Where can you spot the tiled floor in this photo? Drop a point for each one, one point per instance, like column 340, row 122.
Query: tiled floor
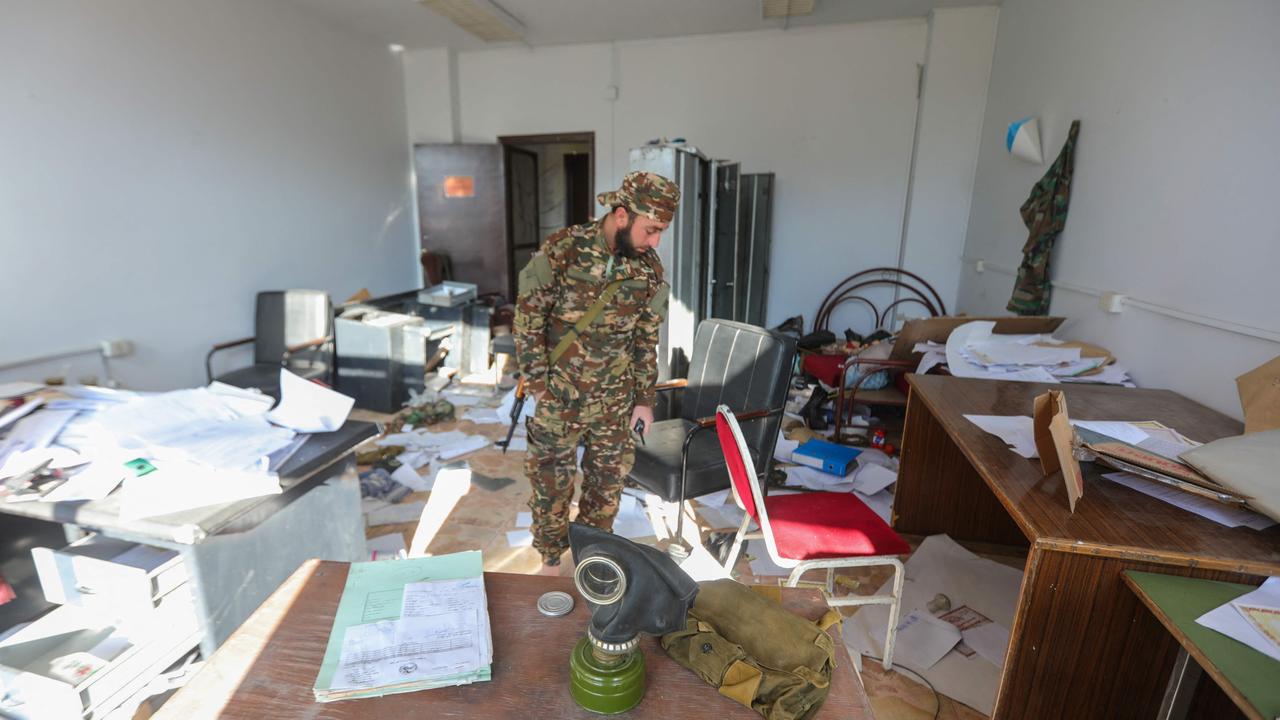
column 481, row 519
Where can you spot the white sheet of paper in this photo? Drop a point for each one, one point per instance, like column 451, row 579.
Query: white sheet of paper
column 1204, row 507
column 390, row 652
column 410, row 478
column 881, row 503
column 924, row 639
column 701, row 566
column 720, row 517
column 1227, row 620
column 1120, row 430
column 930, row 360
column 990, row 640
column 17, row 413
column 437, row 597
column 386, row 547
column 35, row 431
column 307, row 407
column 1265, row 601
column 782, row 449
column 1165, row 448
column 462, row 447
column 176, row 486
column 460, row 400
column 1017, row 431
column 995, row 352
column 519, row 538
column 814, row 479
column 18, row 389
column 484, row 416
column 524, row 519
column 632, row 520
column 94, row 482
column 395, row 514
column 871, row 479
column 720, row 497
column 518, row 444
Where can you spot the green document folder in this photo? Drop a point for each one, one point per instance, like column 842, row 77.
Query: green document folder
column 373, row 592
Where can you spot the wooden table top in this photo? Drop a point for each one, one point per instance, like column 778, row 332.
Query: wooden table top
column 268, row 667
column 1110, row 519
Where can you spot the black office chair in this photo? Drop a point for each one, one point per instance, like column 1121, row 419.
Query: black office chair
column 292, row 329
column 745, row 367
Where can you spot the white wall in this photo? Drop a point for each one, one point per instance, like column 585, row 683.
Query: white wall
column 961, row 43
column 164, row 161
column 1177, row 170
column 831, row 110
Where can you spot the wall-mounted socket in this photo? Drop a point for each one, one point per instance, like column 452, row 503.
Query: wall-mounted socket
column 1111, row 302
column 116, row 348
column 980, row 266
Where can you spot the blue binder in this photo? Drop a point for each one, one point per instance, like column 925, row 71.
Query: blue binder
column 826, row 456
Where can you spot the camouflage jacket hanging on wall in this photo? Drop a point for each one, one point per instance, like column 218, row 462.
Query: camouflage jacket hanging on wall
column 1045, row 214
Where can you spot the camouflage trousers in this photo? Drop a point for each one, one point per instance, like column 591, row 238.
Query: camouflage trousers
column 552, row 464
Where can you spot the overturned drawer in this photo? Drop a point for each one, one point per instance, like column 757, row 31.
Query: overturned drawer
column 73, row 663
column 108, row 575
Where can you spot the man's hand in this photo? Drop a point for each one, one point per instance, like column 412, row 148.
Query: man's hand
column 642, row 412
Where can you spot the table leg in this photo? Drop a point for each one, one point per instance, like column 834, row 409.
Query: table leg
column 1182, row 687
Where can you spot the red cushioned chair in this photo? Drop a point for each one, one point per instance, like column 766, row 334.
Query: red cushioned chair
column 812, row 531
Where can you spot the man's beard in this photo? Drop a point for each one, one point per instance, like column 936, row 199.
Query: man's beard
column 622, row 242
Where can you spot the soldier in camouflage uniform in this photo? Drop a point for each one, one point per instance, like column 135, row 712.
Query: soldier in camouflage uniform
column 604, row 381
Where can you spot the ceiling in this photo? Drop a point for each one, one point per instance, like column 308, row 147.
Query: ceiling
column 559, row 22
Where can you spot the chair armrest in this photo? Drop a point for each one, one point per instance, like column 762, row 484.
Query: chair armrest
column 308, row 345
column 741, row 417
column 208, row 359
column 676, row 384
column 878, row 364
column 233, row 343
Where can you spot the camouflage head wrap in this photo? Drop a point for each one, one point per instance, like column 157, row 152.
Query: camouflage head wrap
column 645, row 193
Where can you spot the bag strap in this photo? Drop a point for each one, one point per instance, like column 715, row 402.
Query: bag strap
column 585, row 321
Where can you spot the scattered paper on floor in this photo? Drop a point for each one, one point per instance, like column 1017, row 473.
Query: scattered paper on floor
column 941, row 566
column 395, row 514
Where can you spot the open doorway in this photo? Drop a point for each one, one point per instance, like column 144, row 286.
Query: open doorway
column 550, row 183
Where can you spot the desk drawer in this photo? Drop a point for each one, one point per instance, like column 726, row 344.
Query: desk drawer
column 72, row 663
column 111, row 576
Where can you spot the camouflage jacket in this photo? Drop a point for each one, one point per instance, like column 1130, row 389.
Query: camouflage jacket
column 613, row 364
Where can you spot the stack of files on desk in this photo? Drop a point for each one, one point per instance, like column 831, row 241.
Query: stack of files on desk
column 407, row 625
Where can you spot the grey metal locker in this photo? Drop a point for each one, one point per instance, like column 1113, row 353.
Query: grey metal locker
column 755, row 221
column 722, row 277
column 683, row 249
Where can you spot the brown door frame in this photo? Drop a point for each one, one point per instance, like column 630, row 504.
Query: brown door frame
column 587, row 136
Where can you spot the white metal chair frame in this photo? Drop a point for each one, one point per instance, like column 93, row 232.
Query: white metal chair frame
column 800, row 567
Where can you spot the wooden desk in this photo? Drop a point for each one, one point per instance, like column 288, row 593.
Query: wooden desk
column 1081, row 645
column 1247, row 677
column 268, row 667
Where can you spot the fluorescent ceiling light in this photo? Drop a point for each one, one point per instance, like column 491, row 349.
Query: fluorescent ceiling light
column 786, row 8
column 482, row 18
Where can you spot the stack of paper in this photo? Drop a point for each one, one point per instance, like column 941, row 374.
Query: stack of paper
column 973, row 351
column 408, row 625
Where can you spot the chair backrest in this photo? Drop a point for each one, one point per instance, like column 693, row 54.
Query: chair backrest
column 288, row 317
column 744, row 482
column 742, row 471
column 744, row 367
